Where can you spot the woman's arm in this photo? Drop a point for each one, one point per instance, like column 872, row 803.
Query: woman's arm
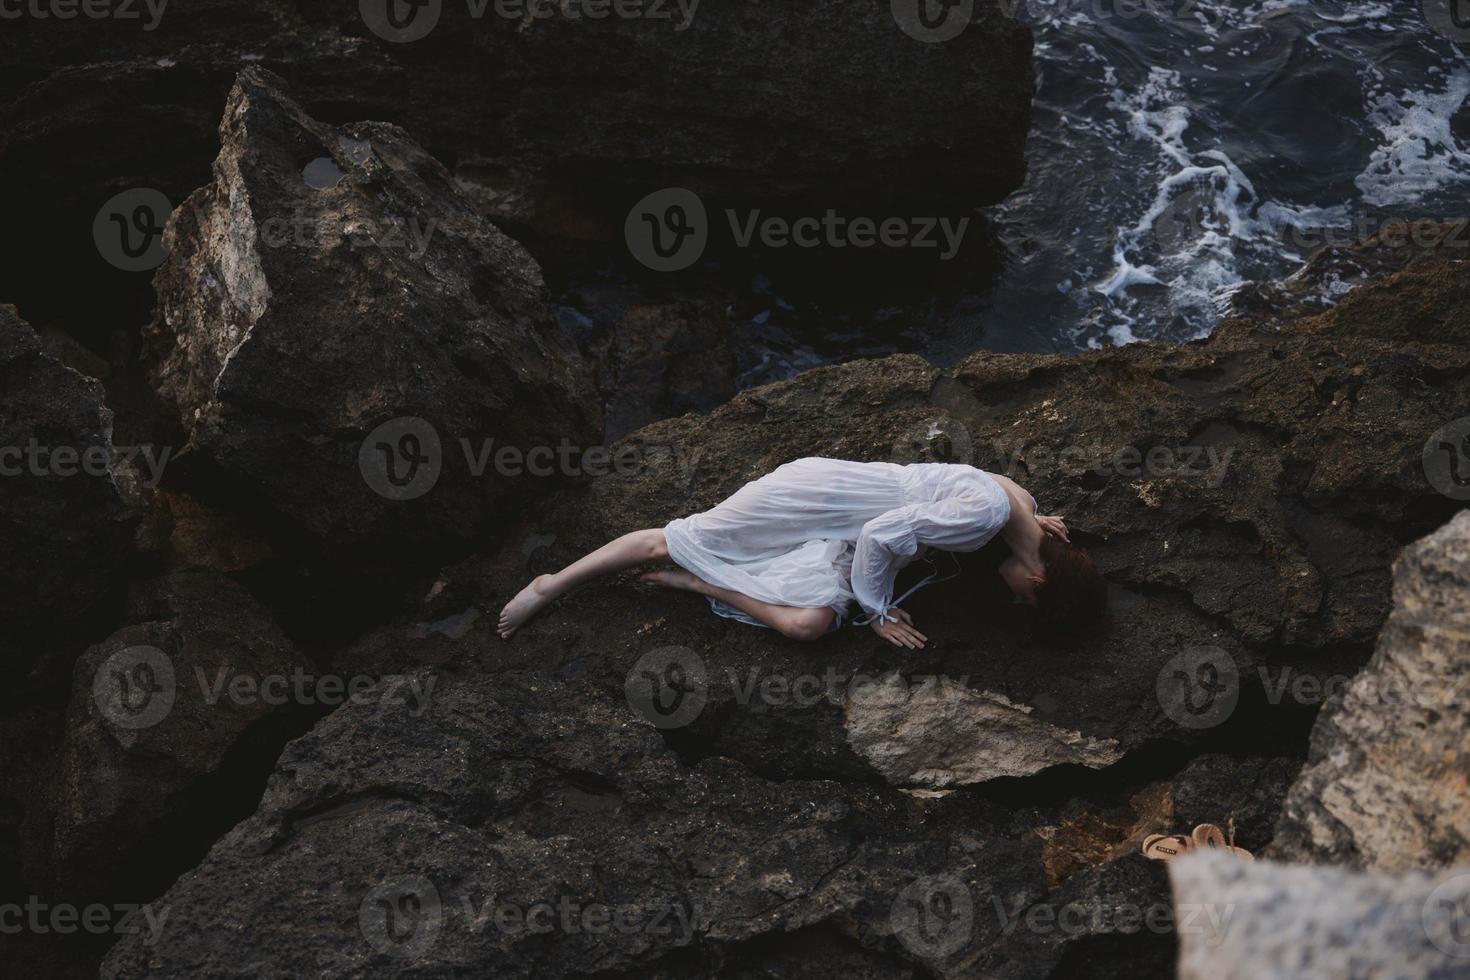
column 882, row 546
column 960, row 523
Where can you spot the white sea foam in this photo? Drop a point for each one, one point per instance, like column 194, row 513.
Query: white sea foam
column 1419, row 153
column 1156, row 223
column 1204, row 216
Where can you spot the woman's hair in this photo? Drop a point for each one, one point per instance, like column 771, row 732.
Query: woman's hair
column 1074, row 598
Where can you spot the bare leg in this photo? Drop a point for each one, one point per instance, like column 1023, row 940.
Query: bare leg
column 628, row 551
column 790, row 621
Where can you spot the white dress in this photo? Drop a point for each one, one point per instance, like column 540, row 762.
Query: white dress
column 825, row 532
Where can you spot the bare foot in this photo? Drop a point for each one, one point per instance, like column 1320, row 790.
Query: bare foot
column 527, row 603
column 674, row 578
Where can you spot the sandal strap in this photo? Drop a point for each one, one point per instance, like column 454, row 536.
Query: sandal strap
column 1165, row 847
column 1208, row 835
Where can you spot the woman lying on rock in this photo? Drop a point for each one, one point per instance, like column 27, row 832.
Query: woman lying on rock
column 795, row 548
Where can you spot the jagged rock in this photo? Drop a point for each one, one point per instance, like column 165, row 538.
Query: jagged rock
column 1385, row 786
column 1114, row 920
column 1219, row 789
column 1336, row 269
column 70, row 502
column 1240, row 920
column 332, row 281
column 1287, row 473
column 536, row 762
column 940, row 734
column 761, row 97
column 662, row 359
column 392, row 844
column 202, row 535
column 1265, row 536
column 200, row 677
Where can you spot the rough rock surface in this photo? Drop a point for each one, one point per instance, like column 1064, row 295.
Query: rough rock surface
column 69, row 502
column 823, row 100
column 332, row 280
column 1385, row 786
column 939, row 734
column 761, row 94
column 573, row 763
column 1245, row 496
column 660, row 359
column 155, row 712
column 389, row 845
column 1248, row 920
column 1221, row 790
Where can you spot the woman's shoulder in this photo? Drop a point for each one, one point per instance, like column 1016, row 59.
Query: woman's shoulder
column 993, row 485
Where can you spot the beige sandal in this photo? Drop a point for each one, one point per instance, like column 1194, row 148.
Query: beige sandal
column 1209, row 835
column 1239, row 852
column 1165, row 847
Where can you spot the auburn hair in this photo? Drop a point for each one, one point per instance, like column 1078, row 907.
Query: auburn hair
column 1073, row 601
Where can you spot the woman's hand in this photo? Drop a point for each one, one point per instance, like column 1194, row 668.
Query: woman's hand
column 900, row 633
column 1054, row 527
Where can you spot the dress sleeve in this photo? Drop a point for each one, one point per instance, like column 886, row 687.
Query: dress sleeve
column 960, row 523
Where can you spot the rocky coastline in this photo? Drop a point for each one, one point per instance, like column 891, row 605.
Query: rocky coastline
column 336, row 768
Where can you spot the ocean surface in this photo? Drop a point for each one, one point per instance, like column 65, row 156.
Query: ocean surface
column 1182, row 147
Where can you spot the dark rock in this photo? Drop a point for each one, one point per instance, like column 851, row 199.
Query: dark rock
column 664, row 359
column 170, row 731
column 761, row 97
column 1287, row 474
column 513, row 791
column 1384, row 787
column 205, row 536
column 1335, row 270
column 537, row 772
column 1111, row 921
column 332, row 281
column 1219, row 789
column 70, row 502
column 797, row 855
column 821, row 102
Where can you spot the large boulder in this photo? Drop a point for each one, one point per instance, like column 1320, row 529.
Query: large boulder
column 70, row 500
column 523, row 824
column 173, row 723
column 343, row 336
column 974, row 808
column 828, row 102
column 1385, row 786
column 531, row 827
column 1245, row 497
column 1240, row 921
column 761, row 95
